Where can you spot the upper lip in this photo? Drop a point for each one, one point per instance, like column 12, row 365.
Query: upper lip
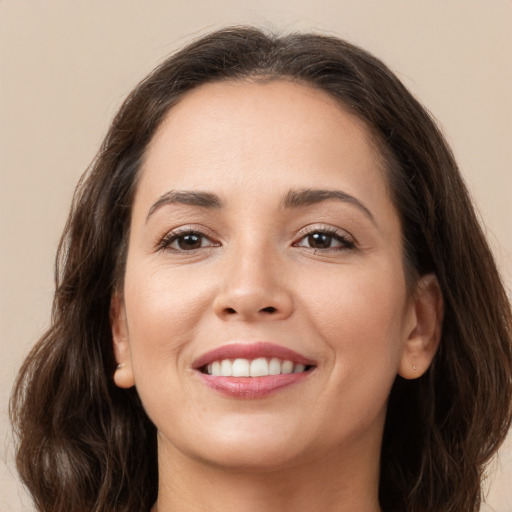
column 240, row 350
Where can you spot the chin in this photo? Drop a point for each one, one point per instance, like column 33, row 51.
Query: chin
column 259, row 458
column 255, row 449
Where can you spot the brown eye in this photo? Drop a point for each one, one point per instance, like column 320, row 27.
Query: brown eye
column 186, row 241
column 325, row 240
column 319, row 240
column 189, row 242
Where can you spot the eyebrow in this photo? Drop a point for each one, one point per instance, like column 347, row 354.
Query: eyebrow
column 201, row 199
column 293, row 199
column 309, row 196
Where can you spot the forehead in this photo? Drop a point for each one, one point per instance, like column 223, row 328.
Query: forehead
column 251, row 128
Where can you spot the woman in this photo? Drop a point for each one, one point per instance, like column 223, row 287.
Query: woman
column 272, row 293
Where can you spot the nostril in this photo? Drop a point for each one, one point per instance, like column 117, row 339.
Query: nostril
column 232, row 311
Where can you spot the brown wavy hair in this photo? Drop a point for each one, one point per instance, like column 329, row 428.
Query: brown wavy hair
column 86, row 445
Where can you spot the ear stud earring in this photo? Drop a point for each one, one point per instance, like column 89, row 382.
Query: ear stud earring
column 123, row 378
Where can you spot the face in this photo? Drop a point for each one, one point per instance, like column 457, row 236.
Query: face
column 263, row 241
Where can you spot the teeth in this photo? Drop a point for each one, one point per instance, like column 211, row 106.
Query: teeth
column 298, row 368
column 274, row 367
column 240, row 368
column 287, row 367
column 226, row 368
column 259, row 367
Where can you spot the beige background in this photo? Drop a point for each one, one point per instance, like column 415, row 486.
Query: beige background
column 65, row 66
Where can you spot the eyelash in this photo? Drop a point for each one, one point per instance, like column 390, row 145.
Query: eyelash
column 345, row 241
column 175, row 235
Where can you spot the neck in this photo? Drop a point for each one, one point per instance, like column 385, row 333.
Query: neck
column 187, row 485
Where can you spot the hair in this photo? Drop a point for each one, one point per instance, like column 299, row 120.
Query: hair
column 86, row 445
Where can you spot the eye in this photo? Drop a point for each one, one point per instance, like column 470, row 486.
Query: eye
column 325, row 239
column 188, row 240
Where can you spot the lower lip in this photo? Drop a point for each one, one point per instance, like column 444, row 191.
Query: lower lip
column 252, row 387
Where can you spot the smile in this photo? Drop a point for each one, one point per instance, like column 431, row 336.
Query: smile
column 256, row 370
column 259, row 367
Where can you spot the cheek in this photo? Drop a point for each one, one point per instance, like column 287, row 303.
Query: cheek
column 163, row 311
column 360, row 315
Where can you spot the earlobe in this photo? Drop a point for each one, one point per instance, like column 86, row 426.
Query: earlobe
column 123, row 375
column 424, row 336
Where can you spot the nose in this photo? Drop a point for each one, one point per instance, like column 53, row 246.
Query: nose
column 254, row 287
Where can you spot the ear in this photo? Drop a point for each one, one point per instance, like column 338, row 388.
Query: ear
column 123, row 375
column 424, row 332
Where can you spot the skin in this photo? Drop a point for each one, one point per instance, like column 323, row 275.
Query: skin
column 256, row 274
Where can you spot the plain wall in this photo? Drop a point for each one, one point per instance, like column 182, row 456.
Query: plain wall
column 65, row 67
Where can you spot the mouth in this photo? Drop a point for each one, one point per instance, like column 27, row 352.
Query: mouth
column 254, row 370
column 259, row 367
